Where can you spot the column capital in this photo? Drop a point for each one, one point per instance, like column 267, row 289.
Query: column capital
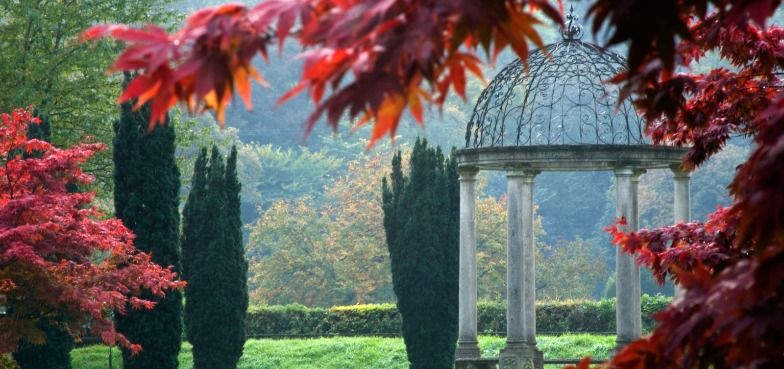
column 678, row 172
column 467, row 173
column 625, row 172
column 528, row 174
column 637, row 173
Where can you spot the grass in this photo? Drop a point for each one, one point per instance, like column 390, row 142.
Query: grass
column 352, row 352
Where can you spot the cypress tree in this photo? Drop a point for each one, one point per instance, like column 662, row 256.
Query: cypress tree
column 42, row 131
column 192, row 215
column 146, row 199
column 237, row 289
column 421, row 220
column 55, row 353
column 215, row 266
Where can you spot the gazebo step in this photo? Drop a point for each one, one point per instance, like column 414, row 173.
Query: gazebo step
column 478, row 363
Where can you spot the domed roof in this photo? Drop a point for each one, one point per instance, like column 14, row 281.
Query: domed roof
column 562, row 98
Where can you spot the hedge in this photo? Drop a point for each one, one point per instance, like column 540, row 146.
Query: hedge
column 589, row 316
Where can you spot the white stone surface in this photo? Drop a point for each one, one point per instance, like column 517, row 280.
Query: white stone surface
column 627, row 280
column 529, row 282
column 467, row 345
column 681, row 202
column 515, row 308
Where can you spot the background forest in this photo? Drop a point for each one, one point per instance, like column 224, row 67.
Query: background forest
column 312, row 206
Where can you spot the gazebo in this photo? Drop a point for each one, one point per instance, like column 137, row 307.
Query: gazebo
column 558, row 114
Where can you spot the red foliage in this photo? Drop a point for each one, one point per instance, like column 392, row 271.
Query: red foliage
column 684, row 246
column 58, row 257
column 373, row 55
column 732, row 266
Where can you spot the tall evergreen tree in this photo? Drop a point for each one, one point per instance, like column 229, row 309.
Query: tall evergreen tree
column 421, row 220
column 237, row 289
column 192, row 216
column 146, row 199
column 55, row 353
column 215, row 266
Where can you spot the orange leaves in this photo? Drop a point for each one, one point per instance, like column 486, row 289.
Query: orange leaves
column 201, row 65
column 243, row 85
column 387, row 117
column 364, row 58
column 456, row 65
column 415, row 104
column 516, row 30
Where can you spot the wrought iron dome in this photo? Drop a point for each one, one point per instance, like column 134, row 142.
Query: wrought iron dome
column 560, row 99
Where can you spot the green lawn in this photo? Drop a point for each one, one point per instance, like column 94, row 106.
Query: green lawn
column 354, row 352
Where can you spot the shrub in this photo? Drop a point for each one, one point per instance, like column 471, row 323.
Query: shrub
column 375, row 319
column 554, row 317
column 287, row 320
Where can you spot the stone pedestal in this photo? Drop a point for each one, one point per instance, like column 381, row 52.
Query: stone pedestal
column 518, row 355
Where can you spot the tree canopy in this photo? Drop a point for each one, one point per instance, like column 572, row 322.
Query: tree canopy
column 44, row 65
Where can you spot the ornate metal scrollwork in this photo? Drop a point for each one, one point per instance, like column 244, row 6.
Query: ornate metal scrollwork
column 560, row 99
column 572, row 30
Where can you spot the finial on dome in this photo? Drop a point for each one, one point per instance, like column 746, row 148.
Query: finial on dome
column 572, row 30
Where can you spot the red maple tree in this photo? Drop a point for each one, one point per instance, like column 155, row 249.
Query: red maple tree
column 375, row 56
column 59, row 256
column 731, row 266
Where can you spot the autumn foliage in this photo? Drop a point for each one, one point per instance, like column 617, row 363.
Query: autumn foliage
column 59, row 255
column 731, row 266
column 377, row 58
column 373, row 57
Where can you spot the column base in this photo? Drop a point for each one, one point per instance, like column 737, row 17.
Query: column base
column 520, row 355
column 620, row 344
column 467, row 350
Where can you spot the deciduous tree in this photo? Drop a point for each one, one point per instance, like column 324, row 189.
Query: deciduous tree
column 563, row 270
column 731, row 266
column 60, row 256
column 357, row 230
column 287, row 247
column 44, row 65
column 335, row 246
column 55, row 353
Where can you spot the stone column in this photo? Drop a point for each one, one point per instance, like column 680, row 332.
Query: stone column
column 467, row 345
column 529, row 282
column 634, row 224
column 681, row 201
column 520, row 351
column 515, row 239
column 627, row 276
